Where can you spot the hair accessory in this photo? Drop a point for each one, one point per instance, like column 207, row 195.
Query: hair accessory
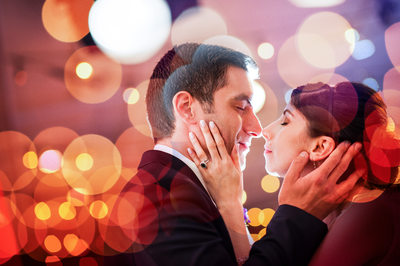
column 204, row 163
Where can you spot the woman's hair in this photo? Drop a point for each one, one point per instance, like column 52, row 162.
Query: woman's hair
column 353, row 112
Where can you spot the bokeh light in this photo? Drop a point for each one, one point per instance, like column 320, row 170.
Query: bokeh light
column 136, row 111
column 197, row 24
column 265, row 50
column 230, row 42
column 106, row 167
column 74, row 245
column 131, row 144
column 78, row 197
column 98, row 209
column 392, row 42
column 52, row 243
column 352, row 35
column 269, row 109
column 259, row 96
column 321, row 40
column 265, row 216
column 50, row 161
column 67, row 211
column 244, row 197
column 42, row 211
column 84, row 161
column 103, row 82
column 130, row 31
column 254, row 214
column 270, row 184
column 131, row 95
column 84, row 70
column 363, row 49
column 14, row 173
column 372, row 83
column 391, row 94
column 66, row 20
column 316, row 3
column 293, row 68
column 30, row 160
column 8, row 244
column 262, row 233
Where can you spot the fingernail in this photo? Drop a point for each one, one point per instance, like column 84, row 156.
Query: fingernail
column 303, row 154
column 191, row 136
column 357, row 146
column 202, row 123
column 189, row 150
column 212, row 125
column 346, row 143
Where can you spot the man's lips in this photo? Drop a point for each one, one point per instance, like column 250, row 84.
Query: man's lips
column 245, row 145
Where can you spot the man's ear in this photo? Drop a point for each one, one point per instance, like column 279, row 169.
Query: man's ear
column 321, row 148
column 183, row 106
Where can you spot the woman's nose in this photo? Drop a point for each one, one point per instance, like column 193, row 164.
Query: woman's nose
column 266, row 132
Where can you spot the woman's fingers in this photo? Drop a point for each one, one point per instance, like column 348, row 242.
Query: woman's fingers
column 219, row 141
column 200, row 154
column 211, row 146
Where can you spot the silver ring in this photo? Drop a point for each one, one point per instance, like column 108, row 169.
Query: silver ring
column 204, row 163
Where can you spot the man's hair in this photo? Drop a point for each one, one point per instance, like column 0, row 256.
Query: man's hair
column 199, row 69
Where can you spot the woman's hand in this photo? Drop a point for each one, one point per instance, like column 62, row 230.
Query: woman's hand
column 224, row 180
column 222, row 174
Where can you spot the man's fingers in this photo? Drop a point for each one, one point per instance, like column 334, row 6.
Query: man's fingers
column 333, row 160
column 344, row 162
column 347, row 186
column 211, row 146
column 296, row 167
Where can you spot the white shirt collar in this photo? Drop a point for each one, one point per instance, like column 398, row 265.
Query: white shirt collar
column 186, row 160
column 193, row 167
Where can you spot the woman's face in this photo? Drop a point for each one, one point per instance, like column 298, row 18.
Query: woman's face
column 285, row 138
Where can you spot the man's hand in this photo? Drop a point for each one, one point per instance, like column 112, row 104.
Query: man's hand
column 317, row 193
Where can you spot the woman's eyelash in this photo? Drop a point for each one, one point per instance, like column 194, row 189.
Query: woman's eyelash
column 240, row 108
column 284, row 123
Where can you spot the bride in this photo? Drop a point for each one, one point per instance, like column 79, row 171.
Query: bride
column 364, row 230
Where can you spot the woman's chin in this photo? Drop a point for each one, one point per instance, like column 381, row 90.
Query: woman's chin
column 272, row 171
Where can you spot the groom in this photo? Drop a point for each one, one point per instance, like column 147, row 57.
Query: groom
column 174, row 220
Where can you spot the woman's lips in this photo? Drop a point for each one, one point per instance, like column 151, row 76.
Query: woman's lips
column 267, row 150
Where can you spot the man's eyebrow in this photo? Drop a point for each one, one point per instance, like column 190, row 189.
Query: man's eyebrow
column 243, row 97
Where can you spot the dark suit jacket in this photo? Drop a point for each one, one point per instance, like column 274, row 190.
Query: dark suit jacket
column 176, row 223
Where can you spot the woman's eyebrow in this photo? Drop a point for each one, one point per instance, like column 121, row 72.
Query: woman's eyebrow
column 287, row 111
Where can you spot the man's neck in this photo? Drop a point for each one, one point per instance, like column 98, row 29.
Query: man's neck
column 180, row 146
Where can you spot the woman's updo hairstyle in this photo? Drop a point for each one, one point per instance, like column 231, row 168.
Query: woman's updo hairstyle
column 353, row 112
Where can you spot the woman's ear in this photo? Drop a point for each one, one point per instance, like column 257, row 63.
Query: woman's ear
column 183, row 107
column 321, row 148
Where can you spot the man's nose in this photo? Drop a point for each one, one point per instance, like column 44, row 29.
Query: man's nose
column 253, row 126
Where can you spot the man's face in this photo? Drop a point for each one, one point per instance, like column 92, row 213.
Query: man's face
column 233, row 113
